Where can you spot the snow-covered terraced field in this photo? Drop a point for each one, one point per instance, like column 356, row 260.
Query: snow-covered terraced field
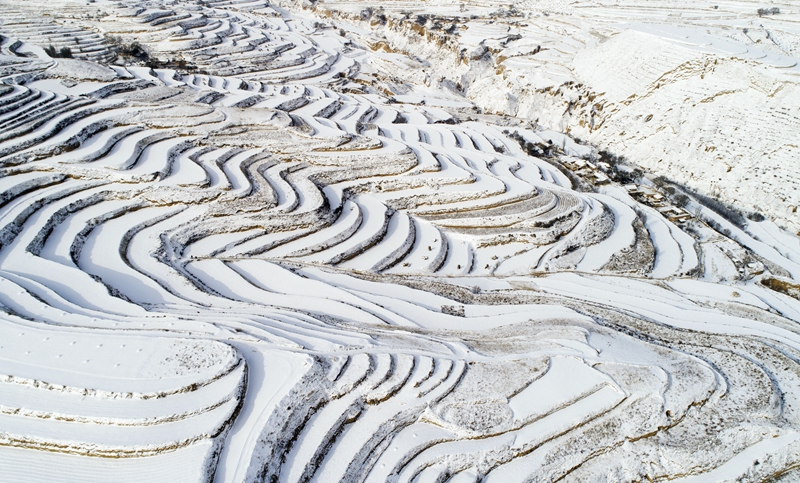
column 704, row 92
column 275, row 251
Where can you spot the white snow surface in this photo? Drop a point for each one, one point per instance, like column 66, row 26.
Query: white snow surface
column 332, row 241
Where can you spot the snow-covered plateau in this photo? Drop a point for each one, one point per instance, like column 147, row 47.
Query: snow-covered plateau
column 328, row 241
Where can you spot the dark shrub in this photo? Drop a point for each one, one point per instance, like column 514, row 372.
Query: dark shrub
column 63, row 53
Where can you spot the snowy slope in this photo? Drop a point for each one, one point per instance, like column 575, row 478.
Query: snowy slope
column 284, row 250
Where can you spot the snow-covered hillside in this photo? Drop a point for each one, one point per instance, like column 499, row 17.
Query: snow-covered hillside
column 703, row 92
column 244, row 241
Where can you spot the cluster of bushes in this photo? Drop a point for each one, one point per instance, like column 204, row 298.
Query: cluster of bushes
column 371, row 15
column 618, row 168
column 62, row 53
column 136, row 53
column 676, row 197
column 677, row 194
column 421, row 20
column 717, row 227
column 728, row 212
column 133, row 51
column 446, row 24
column 504, row 13
column 531, row 149
column 768, row 11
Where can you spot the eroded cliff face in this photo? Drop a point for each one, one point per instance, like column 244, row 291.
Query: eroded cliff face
column 709, row 100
